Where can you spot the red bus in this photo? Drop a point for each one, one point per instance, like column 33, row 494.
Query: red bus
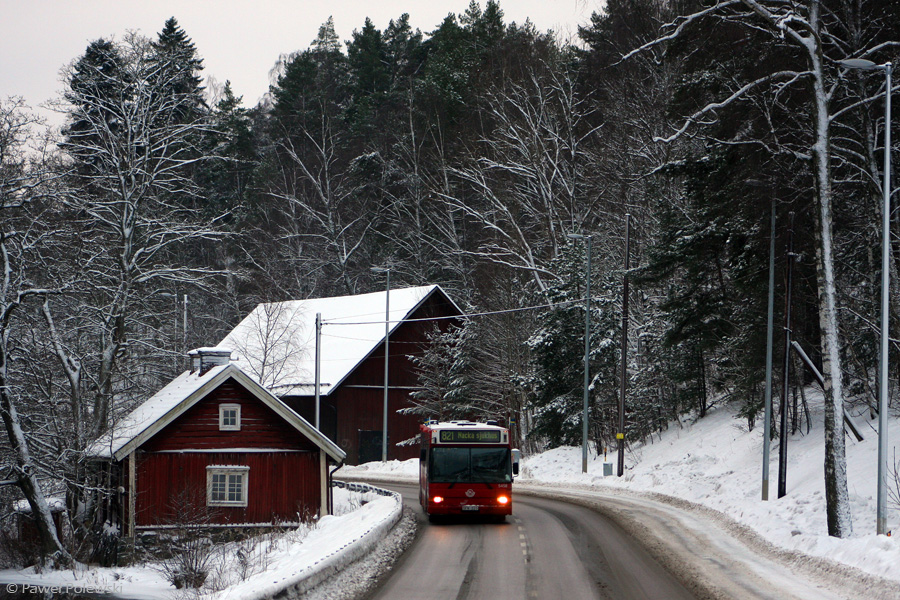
column 466, row 468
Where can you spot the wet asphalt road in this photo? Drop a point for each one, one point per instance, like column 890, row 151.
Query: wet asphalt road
column 547, row 550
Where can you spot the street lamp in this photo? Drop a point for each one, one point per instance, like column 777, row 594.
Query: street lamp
column 881, row 516
column 387, row 331
column 587, row 350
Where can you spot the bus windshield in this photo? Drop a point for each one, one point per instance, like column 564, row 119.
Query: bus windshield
column 475, row 465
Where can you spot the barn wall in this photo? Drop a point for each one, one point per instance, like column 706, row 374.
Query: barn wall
column 172, row 487
column 358, row 404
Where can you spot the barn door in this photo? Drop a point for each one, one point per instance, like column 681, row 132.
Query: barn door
column 369, row 445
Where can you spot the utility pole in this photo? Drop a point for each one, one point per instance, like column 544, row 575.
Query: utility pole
column 620, row 435
column 881, row 524
column 769, row 335
column 783, row 439
column 184, row 329
column 318, row 367
column 587, row 349
column 387, row 334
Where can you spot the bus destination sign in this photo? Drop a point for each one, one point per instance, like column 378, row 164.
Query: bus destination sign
column 472, row 436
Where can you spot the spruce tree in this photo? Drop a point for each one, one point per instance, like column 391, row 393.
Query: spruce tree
column 176, row 71
column 98, row 85
column 557, row 351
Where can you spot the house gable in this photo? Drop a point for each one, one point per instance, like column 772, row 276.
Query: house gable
column 352, row 413
column 198, row 427
column 180, row 396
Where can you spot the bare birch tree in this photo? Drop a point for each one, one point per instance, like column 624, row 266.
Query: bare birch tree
column 133, row 148
column 20, row 181
column 325, row 206
column 270, row 341
column 527, row 180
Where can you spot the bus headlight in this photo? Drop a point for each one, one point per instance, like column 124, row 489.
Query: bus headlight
column 503, row 500
column 437, row 499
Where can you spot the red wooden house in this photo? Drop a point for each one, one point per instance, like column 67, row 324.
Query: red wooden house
column 277, row 344
column 213, row 442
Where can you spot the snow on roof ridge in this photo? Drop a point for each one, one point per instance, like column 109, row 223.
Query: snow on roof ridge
column 151, row 410
column 276, row 341
column 215, row 349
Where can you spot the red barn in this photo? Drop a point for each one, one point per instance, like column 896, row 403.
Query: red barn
column 215, row 443
column 277, row 344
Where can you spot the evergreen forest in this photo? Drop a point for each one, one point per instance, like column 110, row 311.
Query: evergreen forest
column 480, row 155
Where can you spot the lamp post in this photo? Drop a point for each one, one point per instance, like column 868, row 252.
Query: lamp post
column 387, row 331
column 881, row 517
column 766, row 187
column 587, row 350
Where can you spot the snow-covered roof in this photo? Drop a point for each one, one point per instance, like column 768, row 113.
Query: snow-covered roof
column 179, row 395
column 55, row 504
column 276, row 342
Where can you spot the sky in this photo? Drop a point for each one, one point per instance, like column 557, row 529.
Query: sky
column 239, row 40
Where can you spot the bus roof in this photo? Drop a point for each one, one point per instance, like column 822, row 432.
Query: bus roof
column 465, row 432
column 438, row 425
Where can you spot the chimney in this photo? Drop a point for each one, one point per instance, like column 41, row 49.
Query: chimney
column 204, row 359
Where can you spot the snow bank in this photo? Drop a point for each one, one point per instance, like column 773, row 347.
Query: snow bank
column 717, row 463
column 294, row 563
column 336, row 542
column 384, row 471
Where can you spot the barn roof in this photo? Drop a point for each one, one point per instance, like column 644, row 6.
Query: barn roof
column 276, row 341
column 178, row 396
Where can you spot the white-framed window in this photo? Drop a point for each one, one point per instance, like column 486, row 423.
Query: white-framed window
column 226, row 485
column 229, row 417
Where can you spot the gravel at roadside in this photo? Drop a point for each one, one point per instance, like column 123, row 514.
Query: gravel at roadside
column 360, row 578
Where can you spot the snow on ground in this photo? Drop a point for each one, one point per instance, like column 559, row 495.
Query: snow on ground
column 717, row 463
column 714, row 462
column 243, row 570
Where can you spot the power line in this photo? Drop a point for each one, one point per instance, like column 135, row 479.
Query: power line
column 466, row 316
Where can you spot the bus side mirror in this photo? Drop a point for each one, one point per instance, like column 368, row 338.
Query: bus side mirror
column 516, row 455
column 422, row 455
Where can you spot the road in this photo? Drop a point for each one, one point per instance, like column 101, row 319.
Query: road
column 579, row 545
column 546, row 550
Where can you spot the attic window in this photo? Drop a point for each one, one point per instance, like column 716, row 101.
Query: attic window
column 229, row 417
column 226, row 485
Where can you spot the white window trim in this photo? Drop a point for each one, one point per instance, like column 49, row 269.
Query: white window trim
column 237, row 424
column 243, row 471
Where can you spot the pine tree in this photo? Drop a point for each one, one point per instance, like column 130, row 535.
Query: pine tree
column 403, row 49
column 446, row 391
column 370, row 78
column 227, row 182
